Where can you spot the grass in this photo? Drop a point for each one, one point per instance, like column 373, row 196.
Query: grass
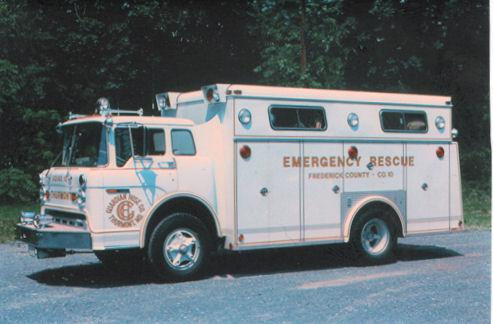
column 476, row 196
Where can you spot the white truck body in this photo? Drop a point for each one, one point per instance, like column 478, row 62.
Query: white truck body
column 297, row 185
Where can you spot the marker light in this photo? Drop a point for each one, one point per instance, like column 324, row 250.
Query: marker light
column 455, row 133
column 244, row 116
column 440, row 122
column 440, row 152
column 245, row 152
column 353, row 120
column 352, row 152
column 211, row 95
column 82, row 181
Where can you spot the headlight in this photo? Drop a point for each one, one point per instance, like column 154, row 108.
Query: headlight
column 440, row 122
column 244, row 116
column 81, row 198
column 83, row 181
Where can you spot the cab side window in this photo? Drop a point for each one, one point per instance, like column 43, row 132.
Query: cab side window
column 155, row 141
column 145, row 141
column 403, row 121
column 182, row 142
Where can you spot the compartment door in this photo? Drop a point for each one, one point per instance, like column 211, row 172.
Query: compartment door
column 427, row 189
column 323, row 185
column 268, row 194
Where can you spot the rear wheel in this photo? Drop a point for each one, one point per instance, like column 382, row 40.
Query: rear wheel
column 179, row 247
column 373, row 237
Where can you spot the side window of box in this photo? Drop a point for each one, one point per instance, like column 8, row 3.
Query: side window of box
column 182, row 142
column 297, row 118
column 403, row 121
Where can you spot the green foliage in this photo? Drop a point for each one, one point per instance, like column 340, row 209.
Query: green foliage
column 16, row 186
column 476, row 165
column 477, row 204
column 9, row 216
column 303, row 42
column 61, row 57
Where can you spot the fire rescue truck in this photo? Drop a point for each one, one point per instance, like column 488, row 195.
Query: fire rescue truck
column 243, row 167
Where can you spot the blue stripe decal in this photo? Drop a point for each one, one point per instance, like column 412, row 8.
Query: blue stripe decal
column 344, row 101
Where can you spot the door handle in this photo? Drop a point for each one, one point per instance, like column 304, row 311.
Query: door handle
column 264, row 191
column 167, row 164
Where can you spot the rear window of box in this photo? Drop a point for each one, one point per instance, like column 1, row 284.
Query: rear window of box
column 403, row 121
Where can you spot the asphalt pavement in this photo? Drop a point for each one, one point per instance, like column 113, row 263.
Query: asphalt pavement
column 438, row 278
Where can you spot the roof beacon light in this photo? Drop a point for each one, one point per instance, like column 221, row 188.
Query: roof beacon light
column 103, row 105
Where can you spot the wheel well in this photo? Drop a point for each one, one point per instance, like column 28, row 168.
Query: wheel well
column 386, row 209
column 184, row 205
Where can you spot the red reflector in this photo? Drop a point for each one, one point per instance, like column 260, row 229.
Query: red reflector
column 440, row 152
column 352, row 152
column 245, row 152
column 47, row 195
column 210, row 95
column 112, row 191
column 73, row 196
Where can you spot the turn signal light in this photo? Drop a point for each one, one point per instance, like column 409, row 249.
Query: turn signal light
column 352, row 152
column 210, row 95
column 440, row 152
column 245, row 152
column 73, row 196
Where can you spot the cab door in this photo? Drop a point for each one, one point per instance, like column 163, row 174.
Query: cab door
column 268, row 193
column 139, row 178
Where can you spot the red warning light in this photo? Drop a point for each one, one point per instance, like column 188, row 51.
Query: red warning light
column 353, row 152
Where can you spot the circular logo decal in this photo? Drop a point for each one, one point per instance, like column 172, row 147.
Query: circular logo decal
column 125, row 210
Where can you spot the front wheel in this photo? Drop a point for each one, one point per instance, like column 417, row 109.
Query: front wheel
column 373, row 238
column 179, row 247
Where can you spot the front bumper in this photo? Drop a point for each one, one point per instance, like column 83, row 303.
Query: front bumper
column 55, row 236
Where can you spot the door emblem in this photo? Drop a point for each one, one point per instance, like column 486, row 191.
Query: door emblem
column 125, row 210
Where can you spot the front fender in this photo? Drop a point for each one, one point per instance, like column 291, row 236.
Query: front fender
column 167, row 198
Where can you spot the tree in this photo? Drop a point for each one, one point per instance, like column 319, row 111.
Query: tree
column 302, row 42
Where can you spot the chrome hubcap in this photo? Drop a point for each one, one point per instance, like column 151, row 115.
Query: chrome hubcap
column 375, row 236
column 181, row 249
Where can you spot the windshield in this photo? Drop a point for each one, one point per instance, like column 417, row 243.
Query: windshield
column 84, row 145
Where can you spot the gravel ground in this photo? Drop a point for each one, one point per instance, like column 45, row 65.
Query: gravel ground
column 439, row 278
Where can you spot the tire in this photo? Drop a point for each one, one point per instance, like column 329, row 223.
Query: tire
column 179, row 248
column 373, row 238
column 122, row 260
